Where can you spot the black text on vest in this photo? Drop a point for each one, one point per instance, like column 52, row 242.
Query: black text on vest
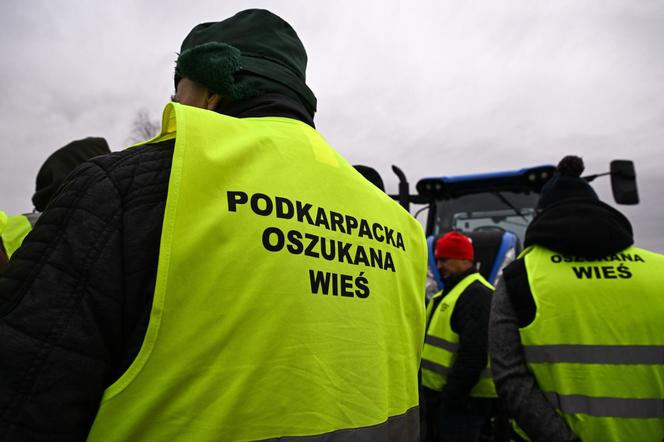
column 602, row 272
column 328, row 283
column 280, row 207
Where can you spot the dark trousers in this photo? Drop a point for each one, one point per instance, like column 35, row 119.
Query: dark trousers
column 450, row 422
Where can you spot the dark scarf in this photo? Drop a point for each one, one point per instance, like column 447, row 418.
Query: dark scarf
column 268, row 105
column 581, row 227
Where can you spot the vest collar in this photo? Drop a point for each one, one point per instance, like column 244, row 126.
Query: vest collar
column 450, row 283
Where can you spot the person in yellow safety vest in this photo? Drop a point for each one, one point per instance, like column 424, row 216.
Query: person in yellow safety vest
column 232, row 279
column 458, row 393
column 50, row 177
column 576, row 341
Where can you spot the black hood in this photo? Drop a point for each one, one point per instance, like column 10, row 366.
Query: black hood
column 581, row 227
column 61, row 163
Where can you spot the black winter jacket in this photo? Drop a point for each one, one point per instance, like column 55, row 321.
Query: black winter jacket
column 75, row 299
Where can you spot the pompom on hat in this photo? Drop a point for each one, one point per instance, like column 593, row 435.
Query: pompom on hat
column 566, row 183
column 454, row 245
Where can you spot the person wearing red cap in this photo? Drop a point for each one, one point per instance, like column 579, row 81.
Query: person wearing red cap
column 458, row 392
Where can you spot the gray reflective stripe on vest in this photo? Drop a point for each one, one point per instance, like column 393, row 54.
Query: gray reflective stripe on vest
column 441, row 343
column 595, row 354
column 608, row 406
column 396, row 428
column 445, row 371
column 32, row 217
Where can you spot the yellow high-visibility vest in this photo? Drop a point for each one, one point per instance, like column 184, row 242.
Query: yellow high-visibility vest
column 3, row 223
column 289, row 298
column 442, row 343
column 596, row 346
column 14, row 229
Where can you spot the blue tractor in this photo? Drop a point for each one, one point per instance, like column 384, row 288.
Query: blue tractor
column 493, row 209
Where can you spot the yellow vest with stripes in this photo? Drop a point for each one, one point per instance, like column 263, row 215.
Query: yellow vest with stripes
column 596, row 346
column 442, row 343
column 289, row 298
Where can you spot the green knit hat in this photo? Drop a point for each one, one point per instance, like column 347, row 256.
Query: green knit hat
column 252, row 53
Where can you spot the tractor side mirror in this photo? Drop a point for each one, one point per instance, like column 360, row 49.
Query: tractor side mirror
column 623, row 182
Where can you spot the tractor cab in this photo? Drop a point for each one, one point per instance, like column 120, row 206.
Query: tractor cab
column 493, row 209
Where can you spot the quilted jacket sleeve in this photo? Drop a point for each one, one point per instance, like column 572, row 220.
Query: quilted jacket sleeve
column 57, row 296
column 75, row 298
column 516, row 385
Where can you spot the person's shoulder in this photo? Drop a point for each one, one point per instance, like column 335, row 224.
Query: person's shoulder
column 145, row 155
column 137, row 167
column 516, row 270
column 478, row 289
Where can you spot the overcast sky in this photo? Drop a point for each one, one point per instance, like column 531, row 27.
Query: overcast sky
column 441, row 88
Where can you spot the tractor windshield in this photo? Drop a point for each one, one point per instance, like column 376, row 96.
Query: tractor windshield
column 508, row 211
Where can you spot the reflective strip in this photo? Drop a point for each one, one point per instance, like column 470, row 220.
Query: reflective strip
column 396, row 428
column 445, row 371
column 608, row 406
column 441, row 343
column 596, row 354
column 436, row 368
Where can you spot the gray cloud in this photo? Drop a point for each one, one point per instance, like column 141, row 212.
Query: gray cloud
column 437, row 87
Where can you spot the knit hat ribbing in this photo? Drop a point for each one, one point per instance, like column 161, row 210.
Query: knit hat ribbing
column 454, row 245
column 253, row 43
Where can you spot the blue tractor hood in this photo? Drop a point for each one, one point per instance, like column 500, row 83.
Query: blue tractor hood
column 529, row 179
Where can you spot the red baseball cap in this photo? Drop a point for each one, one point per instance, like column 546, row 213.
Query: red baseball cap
column 454, row 245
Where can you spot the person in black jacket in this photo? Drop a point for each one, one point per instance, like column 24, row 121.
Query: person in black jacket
column 571, row 221
column 76, row 297
column 453, row 414
column 52, row 174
